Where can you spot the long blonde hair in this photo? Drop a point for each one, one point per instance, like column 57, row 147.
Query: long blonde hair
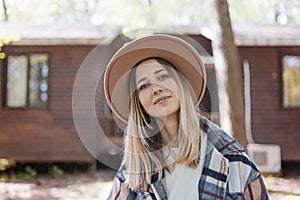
column 143, row 142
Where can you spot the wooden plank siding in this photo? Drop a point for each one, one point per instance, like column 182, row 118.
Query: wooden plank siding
column 46, row 135
column 50, row 135
column 271, row 122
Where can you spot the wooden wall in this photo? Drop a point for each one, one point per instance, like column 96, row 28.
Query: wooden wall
column 271, row 122
column 50, row 135
column 46, row 135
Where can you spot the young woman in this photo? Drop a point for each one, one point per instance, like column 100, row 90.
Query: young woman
column 154, row 84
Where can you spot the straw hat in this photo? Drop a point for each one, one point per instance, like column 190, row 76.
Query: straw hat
column 173, row 49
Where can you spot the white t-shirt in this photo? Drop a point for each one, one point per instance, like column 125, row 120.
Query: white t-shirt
column 182, row 182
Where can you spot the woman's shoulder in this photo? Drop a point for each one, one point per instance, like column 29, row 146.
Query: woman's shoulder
column 121, row 173
column 222, row 141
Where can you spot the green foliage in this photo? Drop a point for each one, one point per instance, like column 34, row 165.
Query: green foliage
column 55, row 171
column 4, row 41
column 12, row 171
column 254, row 11
column 142, row 13
column 4, row 164
column 28, row 174
column 4, row 177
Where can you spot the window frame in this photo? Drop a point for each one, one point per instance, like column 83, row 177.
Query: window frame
column 281, row 56
column 5, row 79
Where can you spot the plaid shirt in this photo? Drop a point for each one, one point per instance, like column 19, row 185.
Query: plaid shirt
column 228, row 173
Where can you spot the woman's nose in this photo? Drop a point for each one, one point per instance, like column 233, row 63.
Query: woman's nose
column 157, row 89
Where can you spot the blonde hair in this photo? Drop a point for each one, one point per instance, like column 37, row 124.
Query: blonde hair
column 143, row 142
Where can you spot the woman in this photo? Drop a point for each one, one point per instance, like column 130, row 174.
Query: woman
column 155, row 84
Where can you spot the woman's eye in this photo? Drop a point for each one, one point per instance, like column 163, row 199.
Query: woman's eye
column 163, row 77
column 144, row 86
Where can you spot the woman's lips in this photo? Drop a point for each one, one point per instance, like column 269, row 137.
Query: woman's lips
column 161, row 100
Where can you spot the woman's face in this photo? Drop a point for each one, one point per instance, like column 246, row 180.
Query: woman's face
column 157, row 90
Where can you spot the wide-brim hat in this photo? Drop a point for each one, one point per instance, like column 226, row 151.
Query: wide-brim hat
column 180, row 53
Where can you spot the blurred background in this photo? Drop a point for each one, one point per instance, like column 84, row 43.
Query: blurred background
column 59, row 138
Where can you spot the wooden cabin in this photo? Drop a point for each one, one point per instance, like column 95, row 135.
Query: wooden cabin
column 53, row 107
column 272, row 53
column 37, row 78
column 40, row 125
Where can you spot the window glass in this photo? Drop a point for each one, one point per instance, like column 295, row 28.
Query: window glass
column 27, row 81
column 291, row 81
column 38, row 81
column 16, row 81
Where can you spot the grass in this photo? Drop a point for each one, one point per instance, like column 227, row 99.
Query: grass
column 12, row 171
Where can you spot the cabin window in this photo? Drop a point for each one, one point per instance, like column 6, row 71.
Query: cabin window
column 27, row 81
column 291, row 81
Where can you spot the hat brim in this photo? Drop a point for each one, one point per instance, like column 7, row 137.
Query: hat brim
column 173, row 49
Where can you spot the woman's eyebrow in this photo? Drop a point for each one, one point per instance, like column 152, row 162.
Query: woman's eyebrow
column 160, row 70
column 142, row 79
column 156, row 72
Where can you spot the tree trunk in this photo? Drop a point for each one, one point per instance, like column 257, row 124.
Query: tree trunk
column 229, row 74
column 5, row 10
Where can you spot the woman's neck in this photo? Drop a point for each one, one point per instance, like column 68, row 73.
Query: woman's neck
column 169, row 129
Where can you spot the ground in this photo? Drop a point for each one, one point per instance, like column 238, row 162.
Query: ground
column 97, row 184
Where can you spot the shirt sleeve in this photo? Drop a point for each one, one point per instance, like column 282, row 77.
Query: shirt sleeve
column 244, row 179
column 256, row 190
column 121, row 191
